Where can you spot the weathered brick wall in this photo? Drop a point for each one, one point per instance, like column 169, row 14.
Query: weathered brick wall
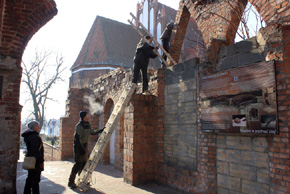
column 185, row 157
column 180, row 116
column 271, row 44
column 242, row 164
column 51, row 153
column 19, row 22
column 74, row 104
column 139, row 140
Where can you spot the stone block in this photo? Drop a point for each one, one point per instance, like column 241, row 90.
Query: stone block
column 237, row 142
column 172, row 89
column 186, row 162
column 222, row 191
column 260, row 144
column 243, row 171
column 263, row 175
column 188, row 96
column 251, row 57
column 257, row 159
column 178, row 68
column 230, row 183
column 245, row 45
column 254, row 187
column 189, row 74
column 228, row 63
column 223, row 168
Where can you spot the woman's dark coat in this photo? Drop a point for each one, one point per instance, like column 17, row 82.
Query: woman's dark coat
column 34, row 147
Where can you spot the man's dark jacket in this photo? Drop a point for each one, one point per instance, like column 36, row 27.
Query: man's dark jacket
column 143, row 53
column 34, row 147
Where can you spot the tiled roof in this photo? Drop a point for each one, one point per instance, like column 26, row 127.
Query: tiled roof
column 108, row 42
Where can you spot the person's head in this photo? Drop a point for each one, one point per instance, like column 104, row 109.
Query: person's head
column 84, row 116
column 148, row 38
column 34, row 125
column 170, row 26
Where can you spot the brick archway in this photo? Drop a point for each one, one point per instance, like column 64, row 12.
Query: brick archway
column 19, row 21
column 219, row 22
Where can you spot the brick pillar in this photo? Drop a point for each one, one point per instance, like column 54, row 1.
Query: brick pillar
column 119, row 141
column 159, row 135
column 182, row 19
column 67, row 128
column 10, row 124
column 139, row 140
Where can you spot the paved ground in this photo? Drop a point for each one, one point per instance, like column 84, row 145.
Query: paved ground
column 107, row 180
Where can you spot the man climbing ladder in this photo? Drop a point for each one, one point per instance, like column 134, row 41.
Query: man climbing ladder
column 136, row 27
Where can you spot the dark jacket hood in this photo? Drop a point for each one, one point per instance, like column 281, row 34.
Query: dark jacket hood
column 28, row 132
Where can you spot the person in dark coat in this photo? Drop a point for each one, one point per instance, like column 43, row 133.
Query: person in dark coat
column 34, row 148
column 141, row 60
column 82, row 133
column 165, row 38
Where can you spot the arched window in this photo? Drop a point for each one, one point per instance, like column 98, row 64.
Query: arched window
column 151, row 21
column 141, row 17
column 158, row 33
column 145, row 14
column 250, row 23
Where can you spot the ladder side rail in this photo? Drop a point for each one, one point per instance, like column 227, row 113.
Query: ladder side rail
column 160, row 46
column 136, row 28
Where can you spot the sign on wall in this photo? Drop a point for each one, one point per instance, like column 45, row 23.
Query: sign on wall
column 240, row 100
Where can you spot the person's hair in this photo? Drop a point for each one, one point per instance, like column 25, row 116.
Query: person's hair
column 32, row 124
column 83, row 114
column 148, row 37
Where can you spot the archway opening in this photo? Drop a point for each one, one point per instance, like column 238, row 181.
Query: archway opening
column 250, row 23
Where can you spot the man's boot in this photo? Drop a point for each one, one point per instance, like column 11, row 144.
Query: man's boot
column 71, row 180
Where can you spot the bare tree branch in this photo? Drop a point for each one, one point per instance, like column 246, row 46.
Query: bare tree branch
column 39, row 81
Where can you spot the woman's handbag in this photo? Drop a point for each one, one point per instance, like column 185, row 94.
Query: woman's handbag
column 29, row 162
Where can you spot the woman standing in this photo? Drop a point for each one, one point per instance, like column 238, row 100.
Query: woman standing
column 34, row 148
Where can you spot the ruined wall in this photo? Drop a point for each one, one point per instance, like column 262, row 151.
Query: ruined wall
column 271, row 44
column 185, row 156
column 74, row 104
column 19, row 21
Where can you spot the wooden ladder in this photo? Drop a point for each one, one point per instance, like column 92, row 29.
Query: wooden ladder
column 136, row 27
column 103, row 140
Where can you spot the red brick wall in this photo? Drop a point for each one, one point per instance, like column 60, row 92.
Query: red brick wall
column 278, row 40
column 75, row 104
column 20, row 20
column 139, row 140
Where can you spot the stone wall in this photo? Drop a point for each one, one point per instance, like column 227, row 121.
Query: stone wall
column 185, row 157
column 242, row 164
column 180, row 115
